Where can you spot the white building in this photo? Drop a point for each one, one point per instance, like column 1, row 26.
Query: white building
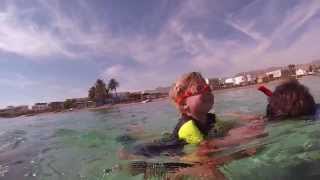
column 300, row 72
column 239, row 79
column 249, row 77
column 207, row 80
column 275, row 74
column 40, row 107
column 229, row 81
column 22, row 109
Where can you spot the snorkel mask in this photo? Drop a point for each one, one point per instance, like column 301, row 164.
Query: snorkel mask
column 200, row 90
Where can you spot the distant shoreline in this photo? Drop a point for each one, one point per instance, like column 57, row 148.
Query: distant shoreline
column 125, row 104
column 133, row 102
column 251, row 85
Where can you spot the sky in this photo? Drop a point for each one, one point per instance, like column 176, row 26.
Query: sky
column 56, row 49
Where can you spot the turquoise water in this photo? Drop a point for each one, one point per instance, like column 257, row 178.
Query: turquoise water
column 80, row 145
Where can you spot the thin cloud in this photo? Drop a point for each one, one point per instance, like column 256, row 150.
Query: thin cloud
column 292, row 22
column 192, row 38
column 71, row 40
column 26, row 39
column 211, row 55
column 244, row 55
column 17, row 81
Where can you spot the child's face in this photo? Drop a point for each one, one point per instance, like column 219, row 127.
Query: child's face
column 199, row 104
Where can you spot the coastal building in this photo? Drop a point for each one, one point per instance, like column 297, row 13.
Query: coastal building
column 154, row 94
column 121, row 96
column 21, row 109
column 259, row 79
column 239, row 80
column 12, row 111
column 215, row 83
column 249, row 77
column 10, row 107
column 80, row 103
column 300, row 72
column 163, row 90
column 229, row 81
column 7, row 112
column 40, row 107
column 16, row 109
column 109, row 100
column 56, row 106
column 149, row 91
column 275, row 74
column 207, row 80
column 262, row 78
column 91, row 104
column 135, row 96
column 285, row 72
column 158, row 90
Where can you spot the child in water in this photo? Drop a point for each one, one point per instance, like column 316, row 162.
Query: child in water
column 193, row 98
column 290, row 100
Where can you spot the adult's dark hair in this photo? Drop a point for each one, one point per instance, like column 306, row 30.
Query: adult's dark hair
column 290, row 100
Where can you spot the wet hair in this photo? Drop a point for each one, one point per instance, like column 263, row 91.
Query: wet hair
column 290, row 100
column 187, row 82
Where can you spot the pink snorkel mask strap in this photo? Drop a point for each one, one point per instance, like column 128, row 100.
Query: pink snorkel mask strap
column 265, row 90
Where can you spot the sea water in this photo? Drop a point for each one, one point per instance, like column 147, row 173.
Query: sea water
column 83, row 144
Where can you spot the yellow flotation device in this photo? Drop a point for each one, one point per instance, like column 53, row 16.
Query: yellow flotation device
column 190, row 133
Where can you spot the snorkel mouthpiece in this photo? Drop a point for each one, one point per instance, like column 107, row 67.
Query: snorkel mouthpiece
column 265, row 90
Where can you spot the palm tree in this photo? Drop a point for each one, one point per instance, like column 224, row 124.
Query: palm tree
column 113, row 85
column 214, row 83
column 100, row 92
column 91, row 93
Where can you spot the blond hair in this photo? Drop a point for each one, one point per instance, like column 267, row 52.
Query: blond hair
column 187, row 82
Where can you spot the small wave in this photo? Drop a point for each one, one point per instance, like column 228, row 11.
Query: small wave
column 64, row 132
column 11, row 139
column 3, row 170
